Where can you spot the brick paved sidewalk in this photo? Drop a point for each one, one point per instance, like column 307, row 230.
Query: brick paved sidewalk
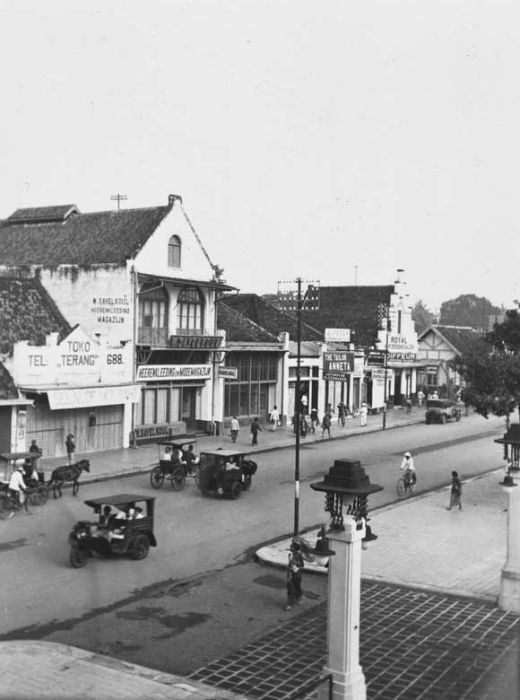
column 415, row 645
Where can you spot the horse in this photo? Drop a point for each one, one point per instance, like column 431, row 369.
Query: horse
column 68, row 473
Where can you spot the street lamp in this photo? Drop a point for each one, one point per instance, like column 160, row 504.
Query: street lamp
column 346, row 488
column 509, row 596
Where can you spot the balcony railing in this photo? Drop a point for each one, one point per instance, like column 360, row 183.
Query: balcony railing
column 158, row 337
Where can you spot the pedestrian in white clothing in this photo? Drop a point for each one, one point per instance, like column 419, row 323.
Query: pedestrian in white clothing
column 274, row 418
column 363, row 413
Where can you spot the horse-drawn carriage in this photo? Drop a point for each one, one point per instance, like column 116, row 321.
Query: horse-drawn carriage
column 36, row 493
column 129, row 530
column 177, row 461
column 225, row 473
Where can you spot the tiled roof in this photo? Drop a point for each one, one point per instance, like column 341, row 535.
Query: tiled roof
column 356, row 308
column 7, row 386
column 241, row 329
column 269, row 317
column 463, row 338
column 108, row 237
column 27, row 312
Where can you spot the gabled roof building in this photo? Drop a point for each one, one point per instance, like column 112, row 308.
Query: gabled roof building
column 137, row 289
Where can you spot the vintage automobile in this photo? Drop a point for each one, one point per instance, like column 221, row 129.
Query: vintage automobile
column 171, row 469
column 129, row 530
column 225, row 473
column 441, row 410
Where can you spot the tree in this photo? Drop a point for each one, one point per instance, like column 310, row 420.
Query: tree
column 422, row 316
column 468, row 310
column 492, row 369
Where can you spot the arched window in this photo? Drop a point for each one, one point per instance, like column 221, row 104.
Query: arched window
column 174, row 251
column 189, row 310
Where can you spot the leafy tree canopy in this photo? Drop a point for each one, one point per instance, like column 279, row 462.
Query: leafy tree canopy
column 492, row 369
column 468, row 310
column 422, row 316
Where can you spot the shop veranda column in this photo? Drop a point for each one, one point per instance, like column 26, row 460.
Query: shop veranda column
column 509, row 597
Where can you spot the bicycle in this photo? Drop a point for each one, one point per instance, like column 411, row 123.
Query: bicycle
column 9, row 501
column 406, row 485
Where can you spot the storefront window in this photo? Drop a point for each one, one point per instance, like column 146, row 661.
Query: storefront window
column 189, row 310
column 248, row 395
column 162, row 406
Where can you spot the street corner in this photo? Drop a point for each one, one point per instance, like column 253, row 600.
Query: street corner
column 277, row 553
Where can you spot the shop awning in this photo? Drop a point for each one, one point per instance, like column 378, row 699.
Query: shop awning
column 179, row 281
column 89, row 396
column 16, row 402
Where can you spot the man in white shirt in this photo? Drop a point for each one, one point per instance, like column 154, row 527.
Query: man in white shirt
column 409, row 468
column 17, row 484
column 274, row 417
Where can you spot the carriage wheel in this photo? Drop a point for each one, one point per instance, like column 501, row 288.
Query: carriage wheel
column 75, row 487
column 178, row 479
column 77, row 557
column 247, row 482
column 401, row 488
column 140, row 548
column 44, row 494
column 157, row 477
column 235, row 490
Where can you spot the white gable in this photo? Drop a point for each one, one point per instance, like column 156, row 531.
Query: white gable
column 153, row 257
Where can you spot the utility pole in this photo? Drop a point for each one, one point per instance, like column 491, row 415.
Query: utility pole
column 119, row 198
column 288, row 302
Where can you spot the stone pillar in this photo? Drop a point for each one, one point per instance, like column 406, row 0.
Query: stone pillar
column 509, row 598
column 343, row 615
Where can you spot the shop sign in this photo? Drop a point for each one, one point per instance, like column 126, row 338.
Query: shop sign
column 376, row 358
column 77, row 360
column 337, row 366
column 402, row 356
column 161, row 373
column 150, row 431
column 93, row 396
column 431, row 369
column 359, row 365
column 378, row 376
column 228, row 372
column 195, row 342
column 401, row 344
column 337, row 335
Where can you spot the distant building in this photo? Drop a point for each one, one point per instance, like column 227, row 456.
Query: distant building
column 438, row 345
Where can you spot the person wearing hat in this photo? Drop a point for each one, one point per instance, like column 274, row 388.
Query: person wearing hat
column 409, row 468
column 70, row 446
column 294, row 575
column 363, row 413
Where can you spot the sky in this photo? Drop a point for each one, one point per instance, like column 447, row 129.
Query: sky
column 329, row 140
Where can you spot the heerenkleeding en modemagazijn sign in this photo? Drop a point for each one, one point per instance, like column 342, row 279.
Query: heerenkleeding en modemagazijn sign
column 158, row 373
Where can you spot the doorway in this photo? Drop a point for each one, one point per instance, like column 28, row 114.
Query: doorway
column 189, row 406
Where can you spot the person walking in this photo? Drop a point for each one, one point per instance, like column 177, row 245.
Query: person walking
column 456, row 491
column 274, row 418
column 420, row 397
column 70, row 446
column 341, row 414
column 314, row 419
column 325, row 424
column 363, row 413
column 235, row 427
column 255, row 429
column 36, row 453
column 294, row 575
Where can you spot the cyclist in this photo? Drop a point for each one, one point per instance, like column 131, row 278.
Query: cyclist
column 410, row 476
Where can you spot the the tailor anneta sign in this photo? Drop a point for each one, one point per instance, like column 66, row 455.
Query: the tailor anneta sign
column 75, row 361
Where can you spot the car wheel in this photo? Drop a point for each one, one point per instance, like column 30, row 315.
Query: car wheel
column 156, row 477
column 428, row 420
column 77, row 557
column 178, row 479
column 140, row 548
column 235, row 490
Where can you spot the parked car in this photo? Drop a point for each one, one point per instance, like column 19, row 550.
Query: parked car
column 442, row 410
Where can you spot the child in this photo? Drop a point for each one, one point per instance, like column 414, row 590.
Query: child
column 456, row 491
